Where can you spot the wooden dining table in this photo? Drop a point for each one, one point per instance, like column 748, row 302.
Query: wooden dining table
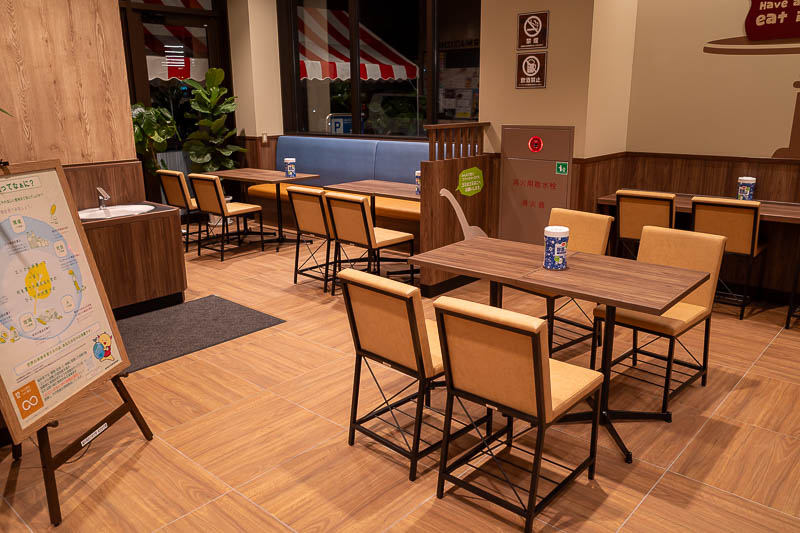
column 256, row 176
column 373, row 188
column 771, row 211
column 613, row 281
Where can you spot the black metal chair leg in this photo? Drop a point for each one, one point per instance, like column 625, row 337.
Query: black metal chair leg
column 668, row 376
column 327, row 265
column 296, row 257
column 537, row 468
column 593, row 442
column 448, row 419
column 593, row 357
column 746, row 287
column 412, row 474
column 222, row 241
column 706, row 343
column 635, row 355
column 187, row 232
column 351, row 435
column 336, row 255
column 261, row 228
column 551, row 321
column 200, row 238
column 792, row 296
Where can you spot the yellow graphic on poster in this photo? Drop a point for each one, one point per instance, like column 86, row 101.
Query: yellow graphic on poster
column 55, row 337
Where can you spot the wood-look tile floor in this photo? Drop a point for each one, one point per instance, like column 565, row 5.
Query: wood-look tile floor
column 250, row 435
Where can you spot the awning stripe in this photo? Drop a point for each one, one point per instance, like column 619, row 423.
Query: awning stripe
column 324, row 49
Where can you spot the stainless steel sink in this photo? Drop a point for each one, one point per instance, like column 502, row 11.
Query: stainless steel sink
column 114, row 211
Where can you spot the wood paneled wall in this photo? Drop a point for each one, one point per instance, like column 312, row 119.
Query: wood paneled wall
column 64, row 80
column 705, row 175
column 439, row 225
column 594, row 177
column 121, row 179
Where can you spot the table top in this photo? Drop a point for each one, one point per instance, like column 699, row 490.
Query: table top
column 602, row 279
column 771, row 211
column 389, row 189
column 260, row 175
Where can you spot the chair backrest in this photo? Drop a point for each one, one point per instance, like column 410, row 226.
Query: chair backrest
column 176, row 192
column 736, row 219
column 495, row 354
column 387, row 320
column 310, row 211
column 350, row 218
column 588, row 232
column 637, row 209
column 208, row 194
column 685, row 249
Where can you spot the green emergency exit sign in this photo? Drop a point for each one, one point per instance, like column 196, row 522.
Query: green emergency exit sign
column 562, row 168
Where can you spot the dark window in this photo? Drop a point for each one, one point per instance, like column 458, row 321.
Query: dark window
column 402, row 81
column 168, row 41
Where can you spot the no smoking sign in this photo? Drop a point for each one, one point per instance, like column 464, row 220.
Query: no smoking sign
column 532, row 30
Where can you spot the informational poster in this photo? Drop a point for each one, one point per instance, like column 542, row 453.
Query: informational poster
column 532, row 70
column 768, row 20
column 57, row 333
column 532, row 29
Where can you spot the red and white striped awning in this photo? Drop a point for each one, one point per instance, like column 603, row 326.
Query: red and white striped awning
column 324, row 47
column 176, row 51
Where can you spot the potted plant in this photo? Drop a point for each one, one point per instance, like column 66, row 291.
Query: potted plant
column 152, row 128
column 208, row 146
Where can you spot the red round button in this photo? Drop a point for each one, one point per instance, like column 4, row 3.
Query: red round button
column 535, row 144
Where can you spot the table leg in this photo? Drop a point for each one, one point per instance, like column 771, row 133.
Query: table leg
column 280, row 216
column 608, row 354
column 495, row 294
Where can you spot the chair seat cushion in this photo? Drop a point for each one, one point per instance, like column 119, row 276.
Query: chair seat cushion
column 238, row 208
column 396, row 208
column 569, row 384
column 674, row 321
column 267, row 190
column 436, row 348
column 387, row 237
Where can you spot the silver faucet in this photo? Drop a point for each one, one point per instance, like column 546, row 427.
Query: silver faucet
column 103, row 197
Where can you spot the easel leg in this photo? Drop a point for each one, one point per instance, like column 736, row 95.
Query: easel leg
column 49, row 473
column 134, row 409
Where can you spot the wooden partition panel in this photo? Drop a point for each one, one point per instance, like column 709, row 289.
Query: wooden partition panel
column 439, row 225
column 778, row 180
column 259, row 154
column 65, row 81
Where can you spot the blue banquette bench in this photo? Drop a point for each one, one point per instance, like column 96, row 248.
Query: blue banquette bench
column 339, row 160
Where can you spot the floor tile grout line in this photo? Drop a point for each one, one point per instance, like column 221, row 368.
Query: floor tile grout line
column 24, row 522
column 689, row 442
column 797, row 518
column 412, row 511
column 786, row 435
column 209, row 502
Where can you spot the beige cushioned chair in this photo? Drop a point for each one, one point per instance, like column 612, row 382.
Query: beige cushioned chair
column 176, row 194
column 739, row 221
column 637, row 209
column 351, row 223
column 388, row 326
column 682, row 249
column 500, row 359
column 311, row 218
column 588, row 233
column 211, row 200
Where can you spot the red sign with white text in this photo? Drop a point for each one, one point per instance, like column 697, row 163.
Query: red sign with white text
column 773, row 19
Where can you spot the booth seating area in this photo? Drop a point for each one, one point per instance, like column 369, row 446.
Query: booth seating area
column 338, row 160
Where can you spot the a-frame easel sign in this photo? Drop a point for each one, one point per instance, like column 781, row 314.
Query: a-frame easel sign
column 58, row 335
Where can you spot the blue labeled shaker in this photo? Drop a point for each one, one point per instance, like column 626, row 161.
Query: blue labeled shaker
column 555, row 247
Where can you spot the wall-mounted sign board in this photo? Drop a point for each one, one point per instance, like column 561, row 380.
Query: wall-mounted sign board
column 531, row 70
column 532, row 30
column 535, row 177
column 57, row 333
column 772, row 19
